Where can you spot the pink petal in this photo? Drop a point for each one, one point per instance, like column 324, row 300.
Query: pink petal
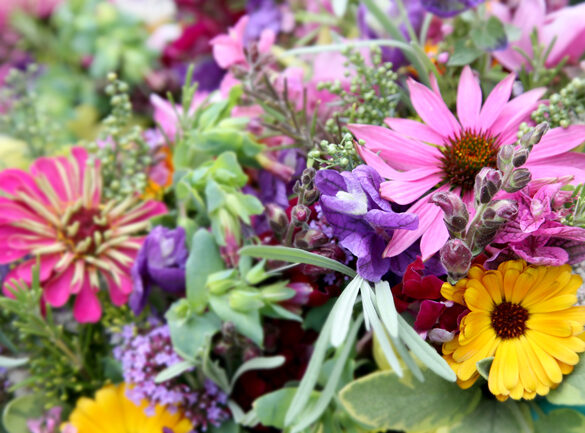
column 388, row 172
column 13, row 181
column 119, row 293
column 406, row 192
column 434, row 238
column 266, row 41
column 47, row 262
column 11, row 211
column 433, row 110
column 495, row 102
column 148, row 210
column 427, row 214
column 567, row 28
column 515, row 112
column 165, row 115
column 413, row 129
column 556, row 142
column 468, row 99
column 57, row 290
column 80, row 156
column 550, row 169
column 87, row 308
column 49, row 168
column 398, row 151
column 435, row 85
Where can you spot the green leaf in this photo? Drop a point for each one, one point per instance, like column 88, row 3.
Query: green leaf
column 492, row 416
column 342, row 312
column 247, row 323
column 294, row 255
column 561, row 420
column 258, row 363
column 189, row 333
column 386, row 307
column 489, row 35
column 463, row 54
column 382, row 401
column 228, row 426
column 18, row 411
column 484, row 366
column 7, row 362
column 204, row 259
column 173, row 371
column 112, row 369
column 339, row 7
column 270, row 408
column 426, row 353
column 571, row 391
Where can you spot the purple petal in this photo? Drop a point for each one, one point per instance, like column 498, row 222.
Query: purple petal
column 391, row 220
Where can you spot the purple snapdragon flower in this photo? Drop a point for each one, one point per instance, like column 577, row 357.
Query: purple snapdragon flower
column 264, row 14
column 161, row 261
column 361, row 219
column 143, row 355
column 449, row 8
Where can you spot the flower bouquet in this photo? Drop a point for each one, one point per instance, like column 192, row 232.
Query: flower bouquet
column 298, row 216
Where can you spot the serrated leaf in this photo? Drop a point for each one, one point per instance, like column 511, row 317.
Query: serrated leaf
column 293, row 255
column 561, row 420
column 492, row 416
column 382, row 401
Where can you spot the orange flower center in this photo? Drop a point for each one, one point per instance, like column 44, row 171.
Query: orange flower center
column 465, row 155
column 509, row 320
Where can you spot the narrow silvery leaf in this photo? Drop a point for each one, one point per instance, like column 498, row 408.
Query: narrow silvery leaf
column 386, row 307
column 258, row 363
column 426, row 353
column 12, row 362
column 173, row 371
column 342, row 311
column 407, row 358
column 379, row 331
column 311, row 375
column 329, row 391
column 339, row 7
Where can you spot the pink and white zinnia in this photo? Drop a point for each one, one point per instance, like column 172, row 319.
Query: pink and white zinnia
column 447, row 151
column 55, row 212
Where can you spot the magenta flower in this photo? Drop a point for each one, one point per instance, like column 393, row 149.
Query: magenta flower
column 537, row 233
column 55, row 212
column 565, row 26
column 447, row 151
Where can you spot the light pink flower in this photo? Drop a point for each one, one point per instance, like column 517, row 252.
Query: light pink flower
column 39, row 8
column 537, row 233
column 165, row 114
column 447, row 151
column 228, row 49
column 567, row 25
column 55, row 212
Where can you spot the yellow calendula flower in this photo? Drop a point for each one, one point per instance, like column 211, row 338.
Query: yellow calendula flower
column 525, row 317
column 112, row 412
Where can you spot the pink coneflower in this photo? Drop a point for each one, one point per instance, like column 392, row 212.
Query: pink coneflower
column 448, row 152
column 55, row 212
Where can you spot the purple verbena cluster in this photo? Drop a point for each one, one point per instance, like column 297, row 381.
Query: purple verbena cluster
column 144, row 354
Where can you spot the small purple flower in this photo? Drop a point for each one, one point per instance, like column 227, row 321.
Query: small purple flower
column 264, row 14
column 361, row 219
column 161, row 262
column 449, row 8
column 143, row 355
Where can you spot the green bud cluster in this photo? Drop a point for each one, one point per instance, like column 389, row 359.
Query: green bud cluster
column 24, row 118
column 567, row 107
column 576, row 216
column 342, row 156
column 124, row 154
column 372, row 94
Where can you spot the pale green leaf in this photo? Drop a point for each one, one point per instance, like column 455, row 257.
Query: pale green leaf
column 294, row 255
column 247, row 323
column 484, row 366
column 7, row 362
column 342, row 311
column 492, row 416
column 18, row 411
column 270, row 408
column 386, row 307
column 562, row 421
column 189, row 333
column 258, row 363
column 173, row 371
column 571, row 391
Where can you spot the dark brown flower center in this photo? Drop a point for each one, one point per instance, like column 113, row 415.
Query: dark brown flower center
column 509, row 320
column 465, row 155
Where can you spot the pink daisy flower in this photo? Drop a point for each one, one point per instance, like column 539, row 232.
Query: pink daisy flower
column 55, row 212
column 447, row 151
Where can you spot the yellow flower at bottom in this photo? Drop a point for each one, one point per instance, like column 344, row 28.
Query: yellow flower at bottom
column 112, row 412
column 524, row 316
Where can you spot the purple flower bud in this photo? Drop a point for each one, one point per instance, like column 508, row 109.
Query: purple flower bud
column 520, row 157
column 277, row 218
column 537, row 133
column 487, row 183
column 456, row 258
column 311, row 196
column 307, row 177
column 505, row 156
column 300, row 214
column 499, row 212
column 519, row 179
column 310, row 239
column 456, row 214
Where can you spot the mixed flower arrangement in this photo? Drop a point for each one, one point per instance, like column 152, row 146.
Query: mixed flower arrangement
column 298, row 216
